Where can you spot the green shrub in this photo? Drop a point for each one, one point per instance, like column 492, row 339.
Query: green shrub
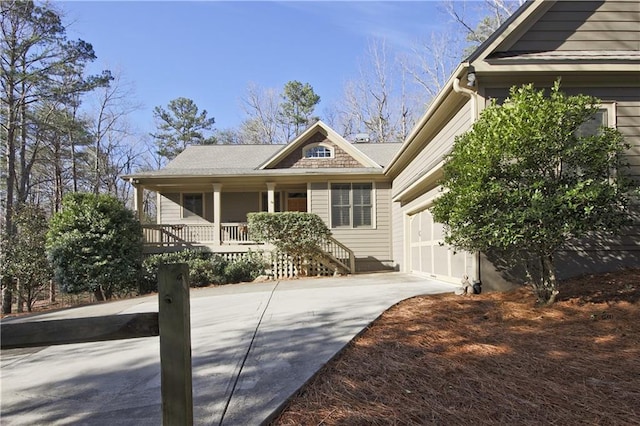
column 219, row 264
column 201, row 271
column 204, row 268
column 95, row 244
column 298, row 234
column 295, row 233
column 245, row 269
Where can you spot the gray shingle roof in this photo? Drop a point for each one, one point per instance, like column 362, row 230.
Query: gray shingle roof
column 223, row 157
column 230, row 160
column 381, row 153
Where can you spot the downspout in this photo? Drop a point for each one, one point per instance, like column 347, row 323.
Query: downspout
column 473, row 96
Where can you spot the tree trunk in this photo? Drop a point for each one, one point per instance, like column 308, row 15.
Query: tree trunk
column 19, row 299
column 546, row 287
column 98, row 293
column 52, row 291
column 7, row 297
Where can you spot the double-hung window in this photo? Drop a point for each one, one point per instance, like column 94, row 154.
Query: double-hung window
column 192, row 205
column 352, row 205
column 605, row 116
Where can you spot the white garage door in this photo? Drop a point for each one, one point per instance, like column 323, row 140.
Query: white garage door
column 430, row 257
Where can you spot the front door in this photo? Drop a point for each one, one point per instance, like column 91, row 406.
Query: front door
column 297, row 202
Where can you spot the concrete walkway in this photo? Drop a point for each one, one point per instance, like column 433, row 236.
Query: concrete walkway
column 304, row 324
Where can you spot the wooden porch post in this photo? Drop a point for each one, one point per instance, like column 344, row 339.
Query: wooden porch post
column 271, row 197
column 138, row 195
column 217, row 212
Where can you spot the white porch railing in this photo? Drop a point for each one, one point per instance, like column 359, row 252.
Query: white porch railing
column 183, row 234
column 237, row 233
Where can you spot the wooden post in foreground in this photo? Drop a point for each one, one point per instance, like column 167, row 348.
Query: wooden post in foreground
column 175, row 344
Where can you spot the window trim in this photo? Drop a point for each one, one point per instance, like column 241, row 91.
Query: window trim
column 612, row 113
column 374, row 205
column 609, row 109
column 314, row 146
column 192, row 214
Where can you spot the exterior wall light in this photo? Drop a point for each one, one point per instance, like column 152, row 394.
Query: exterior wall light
column 471, row 77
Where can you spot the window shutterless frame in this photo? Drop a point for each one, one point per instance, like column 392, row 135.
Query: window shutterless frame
column 192, row 204
column 352, row 205
column 318, row 150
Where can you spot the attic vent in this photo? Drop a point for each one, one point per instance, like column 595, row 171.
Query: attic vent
column 362, row 138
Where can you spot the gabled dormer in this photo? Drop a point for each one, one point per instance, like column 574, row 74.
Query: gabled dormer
column 319, row 147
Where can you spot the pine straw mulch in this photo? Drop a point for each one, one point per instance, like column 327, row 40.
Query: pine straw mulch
column 489, row 359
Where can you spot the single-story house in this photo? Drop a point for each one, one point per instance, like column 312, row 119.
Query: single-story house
column 205, row 193
column 376, row 197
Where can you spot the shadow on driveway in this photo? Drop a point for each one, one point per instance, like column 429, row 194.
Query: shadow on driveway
column 292, row 329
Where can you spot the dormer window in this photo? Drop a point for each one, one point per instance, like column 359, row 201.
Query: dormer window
column 318, row 151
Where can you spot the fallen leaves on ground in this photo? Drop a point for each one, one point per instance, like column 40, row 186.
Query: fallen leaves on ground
column 489, row 359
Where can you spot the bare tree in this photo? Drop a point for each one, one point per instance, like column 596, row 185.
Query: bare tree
column 111, row 134
column 377, row 102
column 277, row 116
column 262, row 109
column 432, row 61
column 494, row 13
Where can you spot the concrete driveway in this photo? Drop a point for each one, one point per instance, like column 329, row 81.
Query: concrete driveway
column 298, row 325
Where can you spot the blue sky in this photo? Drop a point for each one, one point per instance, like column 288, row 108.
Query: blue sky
column 210, row 51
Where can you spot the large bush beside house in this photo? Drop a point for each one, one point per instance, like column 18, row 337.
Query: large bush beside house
column 95, row 245
column 298, row 234
column 527, row 178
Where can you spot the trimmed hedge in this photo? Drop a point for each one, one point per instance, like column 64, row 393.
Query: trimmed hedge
column 298, row 234
column 205, row 268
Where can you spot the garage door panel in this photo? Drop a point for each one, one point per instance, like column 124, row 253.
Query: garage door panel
column 458, row 261
column 429, row 255
column 415, row 258
column 426, row 223
column 415, row 227
column 426, row 260
column 438, row 231
column 441, row 260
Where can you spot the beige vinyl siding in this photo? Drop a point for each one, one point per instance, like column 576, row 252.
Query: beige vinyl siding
column 320, row 200
column 171, row 209
column 236, row 205
column 372, row 247
column 585, row 25
column 435, row 150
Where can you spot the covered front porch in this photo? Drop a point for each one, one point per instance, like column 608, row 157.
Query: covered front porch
column 211, row 215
